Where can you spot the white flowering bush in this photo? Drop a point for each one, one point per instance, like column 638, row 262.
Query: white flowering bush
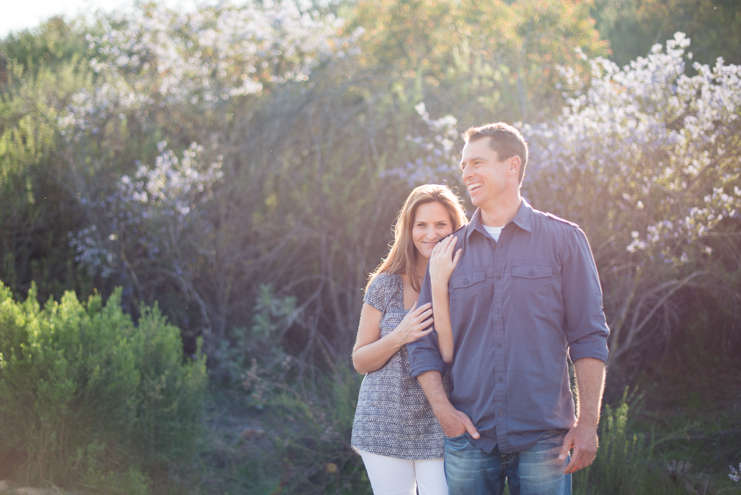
column 149, row 211
column 434, row 152
column 646, row 160
column 172, row 187
column 91, row 109
column 735, row 475
column 158, row 74
column 654, row 139
column 214, row 53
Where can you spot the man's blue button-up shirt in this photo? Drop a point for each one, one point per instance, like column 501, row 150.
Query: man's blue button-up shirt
column 518, row 307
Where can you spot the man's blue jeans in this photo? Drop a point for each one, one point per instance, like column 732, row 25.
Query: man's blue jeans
column 536, row 471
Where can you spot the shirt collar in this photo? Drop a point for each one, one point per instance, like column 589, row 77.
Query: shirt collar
column 523, row 219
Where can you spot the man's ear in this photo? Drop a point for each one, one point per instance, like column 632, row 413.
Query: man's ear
column 514, row 166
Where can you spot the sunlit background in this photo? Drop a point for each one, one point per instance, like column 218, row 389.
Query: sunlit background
column 23, row 15
column 201, row 189
column 18, row 15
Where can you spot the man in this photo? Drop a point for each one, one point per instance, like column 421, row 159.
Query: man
column 524, row 295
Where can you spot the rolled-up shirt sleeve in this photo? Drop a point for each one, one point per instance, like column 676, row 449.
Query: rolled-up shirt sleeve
column 424, row 353
column 585, row 326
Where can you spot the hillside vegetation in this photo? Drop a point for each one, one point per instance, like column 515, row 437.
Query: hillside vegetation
column 216, row 184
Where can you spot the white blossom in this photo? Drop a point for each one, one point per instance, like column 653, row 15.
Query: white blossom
column 435, row 160
column 146, row 209
column 214, row 53
column 648, row 134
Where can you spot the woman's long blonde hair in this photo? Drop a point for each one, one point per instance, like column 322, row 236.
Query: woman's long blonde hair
column 402, row 255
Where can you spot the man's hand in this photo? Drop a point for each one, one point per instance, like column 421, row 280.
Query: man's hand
column 452, row 421
column 584, row 441
column 590, row 382
column 455, row 422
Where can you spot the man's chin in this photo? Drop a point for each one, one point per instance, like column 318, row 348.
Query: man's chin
column 476, row 201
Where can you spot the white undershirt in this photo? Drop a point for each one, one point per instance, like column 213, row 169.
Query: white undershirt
column 493, row 231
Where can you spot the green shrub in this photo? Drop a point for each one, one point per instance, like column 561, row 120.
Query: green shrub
column 312, row 426
column 89, row 398
column 624, row 463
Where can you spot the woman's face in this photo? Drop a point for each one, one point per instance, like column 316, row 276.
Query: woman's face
column 431, row 223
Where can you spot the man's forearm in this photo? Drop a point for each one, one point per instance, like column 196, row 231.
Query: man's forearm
column 452, row 421
column 590, row 383
column 432, row 385
column 441, row 309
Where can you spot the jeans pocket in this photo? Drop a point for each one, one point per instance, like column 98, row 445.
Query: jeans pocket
column 553, row 436
column 551, row 441
column 455, row 445
column 458, row 439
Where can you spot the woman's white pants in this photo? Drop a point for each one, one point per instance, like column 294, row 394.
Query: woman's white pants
column 391, row 476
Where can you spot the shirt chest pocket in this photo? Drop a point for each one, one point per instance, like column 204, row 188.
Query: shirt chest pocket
column 532, row 272
column 531, row 279
column 470, row 293
column 466, row 280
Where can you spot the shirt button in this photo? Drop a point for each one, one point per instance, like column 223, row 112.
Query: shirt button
column 498, row 311
column 501, row 379
column 499, row 277
column 531, row 273
column 465, row 281
column 501, row 413
column 499, row 344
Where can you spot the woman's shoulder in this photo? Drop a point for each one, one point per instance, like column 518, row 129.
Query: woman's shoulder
column 381, row 289
column 385, row 279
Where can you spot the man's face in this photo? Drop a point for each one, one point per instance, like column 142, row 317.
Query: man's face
column 485, row 176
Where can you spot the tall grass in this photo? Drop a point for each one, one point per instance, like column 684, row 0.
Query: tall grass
column 625, row 460
column 316, row 442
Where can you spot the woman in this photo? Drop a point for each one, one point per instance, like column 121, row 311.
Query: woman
column 394, row 431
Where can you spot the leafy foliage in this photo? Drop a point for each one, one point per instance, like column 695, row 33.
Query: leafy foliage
column 313, row 429
column 241, row 165
column 633, row 26
column 88, row 397
column 490, row 58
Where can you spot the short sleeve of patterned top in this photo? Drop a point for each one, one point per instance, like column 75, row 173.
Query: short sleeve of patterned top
column 393, row 417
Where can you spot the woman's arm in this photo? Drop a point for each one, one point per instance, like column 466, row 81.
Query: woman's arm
column 372, row 351
column 442, row 264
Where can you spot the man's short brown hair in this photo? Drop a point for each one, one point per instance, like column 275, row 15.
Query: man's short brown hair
column 504, row 139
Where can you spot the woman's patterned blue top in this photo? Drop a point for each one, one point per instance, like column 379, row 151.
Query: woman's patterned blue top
column 393, row 417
